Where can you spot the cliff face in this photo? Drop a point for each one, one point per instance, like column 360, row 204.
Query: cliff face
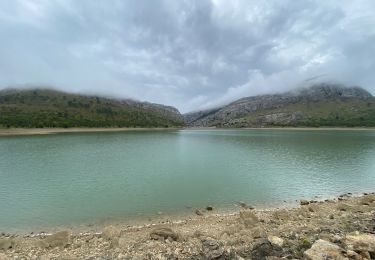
column 323, row 104
column 50, row 108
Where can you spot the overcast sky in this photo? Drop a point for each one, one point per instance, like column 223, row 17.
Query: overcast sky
column 189, row 54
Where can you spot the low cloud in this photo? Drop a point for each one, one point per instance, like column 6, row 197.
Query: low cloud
column 189, row 54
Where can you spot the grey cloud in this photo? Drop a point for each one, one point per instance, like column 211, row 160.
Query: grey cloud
column 191, row 54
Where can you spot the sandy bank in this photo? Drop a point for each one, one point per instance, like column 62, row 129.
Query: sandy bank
column 331, row 226
column 45, row 131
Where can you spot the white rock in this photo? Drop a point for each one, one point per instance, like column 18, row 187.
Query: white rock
column 322, row 250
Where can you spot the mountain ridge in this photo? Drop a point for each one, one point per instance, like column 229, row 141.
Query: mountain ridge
column 321, row 104
column 41, row 107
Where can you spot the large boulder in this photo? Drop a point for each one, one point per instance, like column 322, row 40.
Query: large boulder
column 322, row 250
column 360, row 242
column 212, row 249
column 263, row 248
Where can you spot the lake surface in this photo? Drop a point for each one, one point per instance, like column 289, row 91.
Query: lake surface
column 82, row 177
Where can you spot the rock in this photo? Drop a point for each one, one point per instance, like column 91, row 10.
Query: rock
column 60, row 239
column 111, row 233
column 360, row 242
column 365, row 255
column 212, row 249
column 304, row 202
column 209, row 208
column 322, row 250
column 263, row 248
column 198, row 212
column 249, row 218
column 163, row 233
column 276, row 241
column 3, row 257
column 6, row 243
column 353, row 255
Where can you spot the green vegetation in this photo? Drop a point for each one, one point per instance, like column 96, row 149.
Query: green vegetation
column 346, row 112
column 48, row 108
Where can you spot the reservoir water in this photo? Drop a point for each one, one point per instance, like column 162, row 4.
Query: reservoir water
column 81, row 177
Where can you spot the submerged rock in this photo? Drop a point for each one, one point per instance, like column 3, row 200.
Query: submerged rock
column 209, row 208
column 244, row 205
column 198, row 212
column 163, row 233
column 322, row 250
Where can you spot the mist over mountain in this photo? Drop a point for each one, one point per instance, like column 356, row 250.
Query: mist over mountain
column 323, row 104
column 51, row 108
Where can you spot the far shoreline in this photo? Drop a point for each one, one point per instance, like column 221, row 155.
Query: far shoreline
column 48, row 131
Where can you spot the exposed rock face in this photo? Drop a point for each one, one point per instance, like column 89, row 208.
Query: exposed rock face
column 273, row 109
column 322, row 250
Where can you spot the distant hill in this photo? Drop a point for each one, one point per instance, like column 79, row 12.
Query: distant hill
column 319, row 105
column 50, row 108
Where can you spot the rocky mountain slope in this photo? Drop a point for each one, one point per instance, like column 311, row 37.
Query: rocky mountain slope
column 50, row 108
column 319, row 105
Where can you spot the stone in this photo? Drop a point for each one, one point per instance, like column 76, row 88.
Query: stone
column 365, row 255
column 322, row 250
column 3, row 257
column 209, row 208
column 263, row 248
column 6, row 243
column 60, row 239
column 249, row 218
column 212, row 249
column 163, row 233
column 360, row 242
column 304, row 202
column 353, row 255
column 276, row 241
column 111, row 233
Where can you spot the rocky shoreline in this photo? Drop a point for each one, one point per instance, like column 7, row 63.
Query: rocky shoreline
column 341, row 228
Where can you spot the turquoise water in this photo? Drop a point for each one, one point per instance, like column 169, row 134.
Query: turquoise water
column 81, row 177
